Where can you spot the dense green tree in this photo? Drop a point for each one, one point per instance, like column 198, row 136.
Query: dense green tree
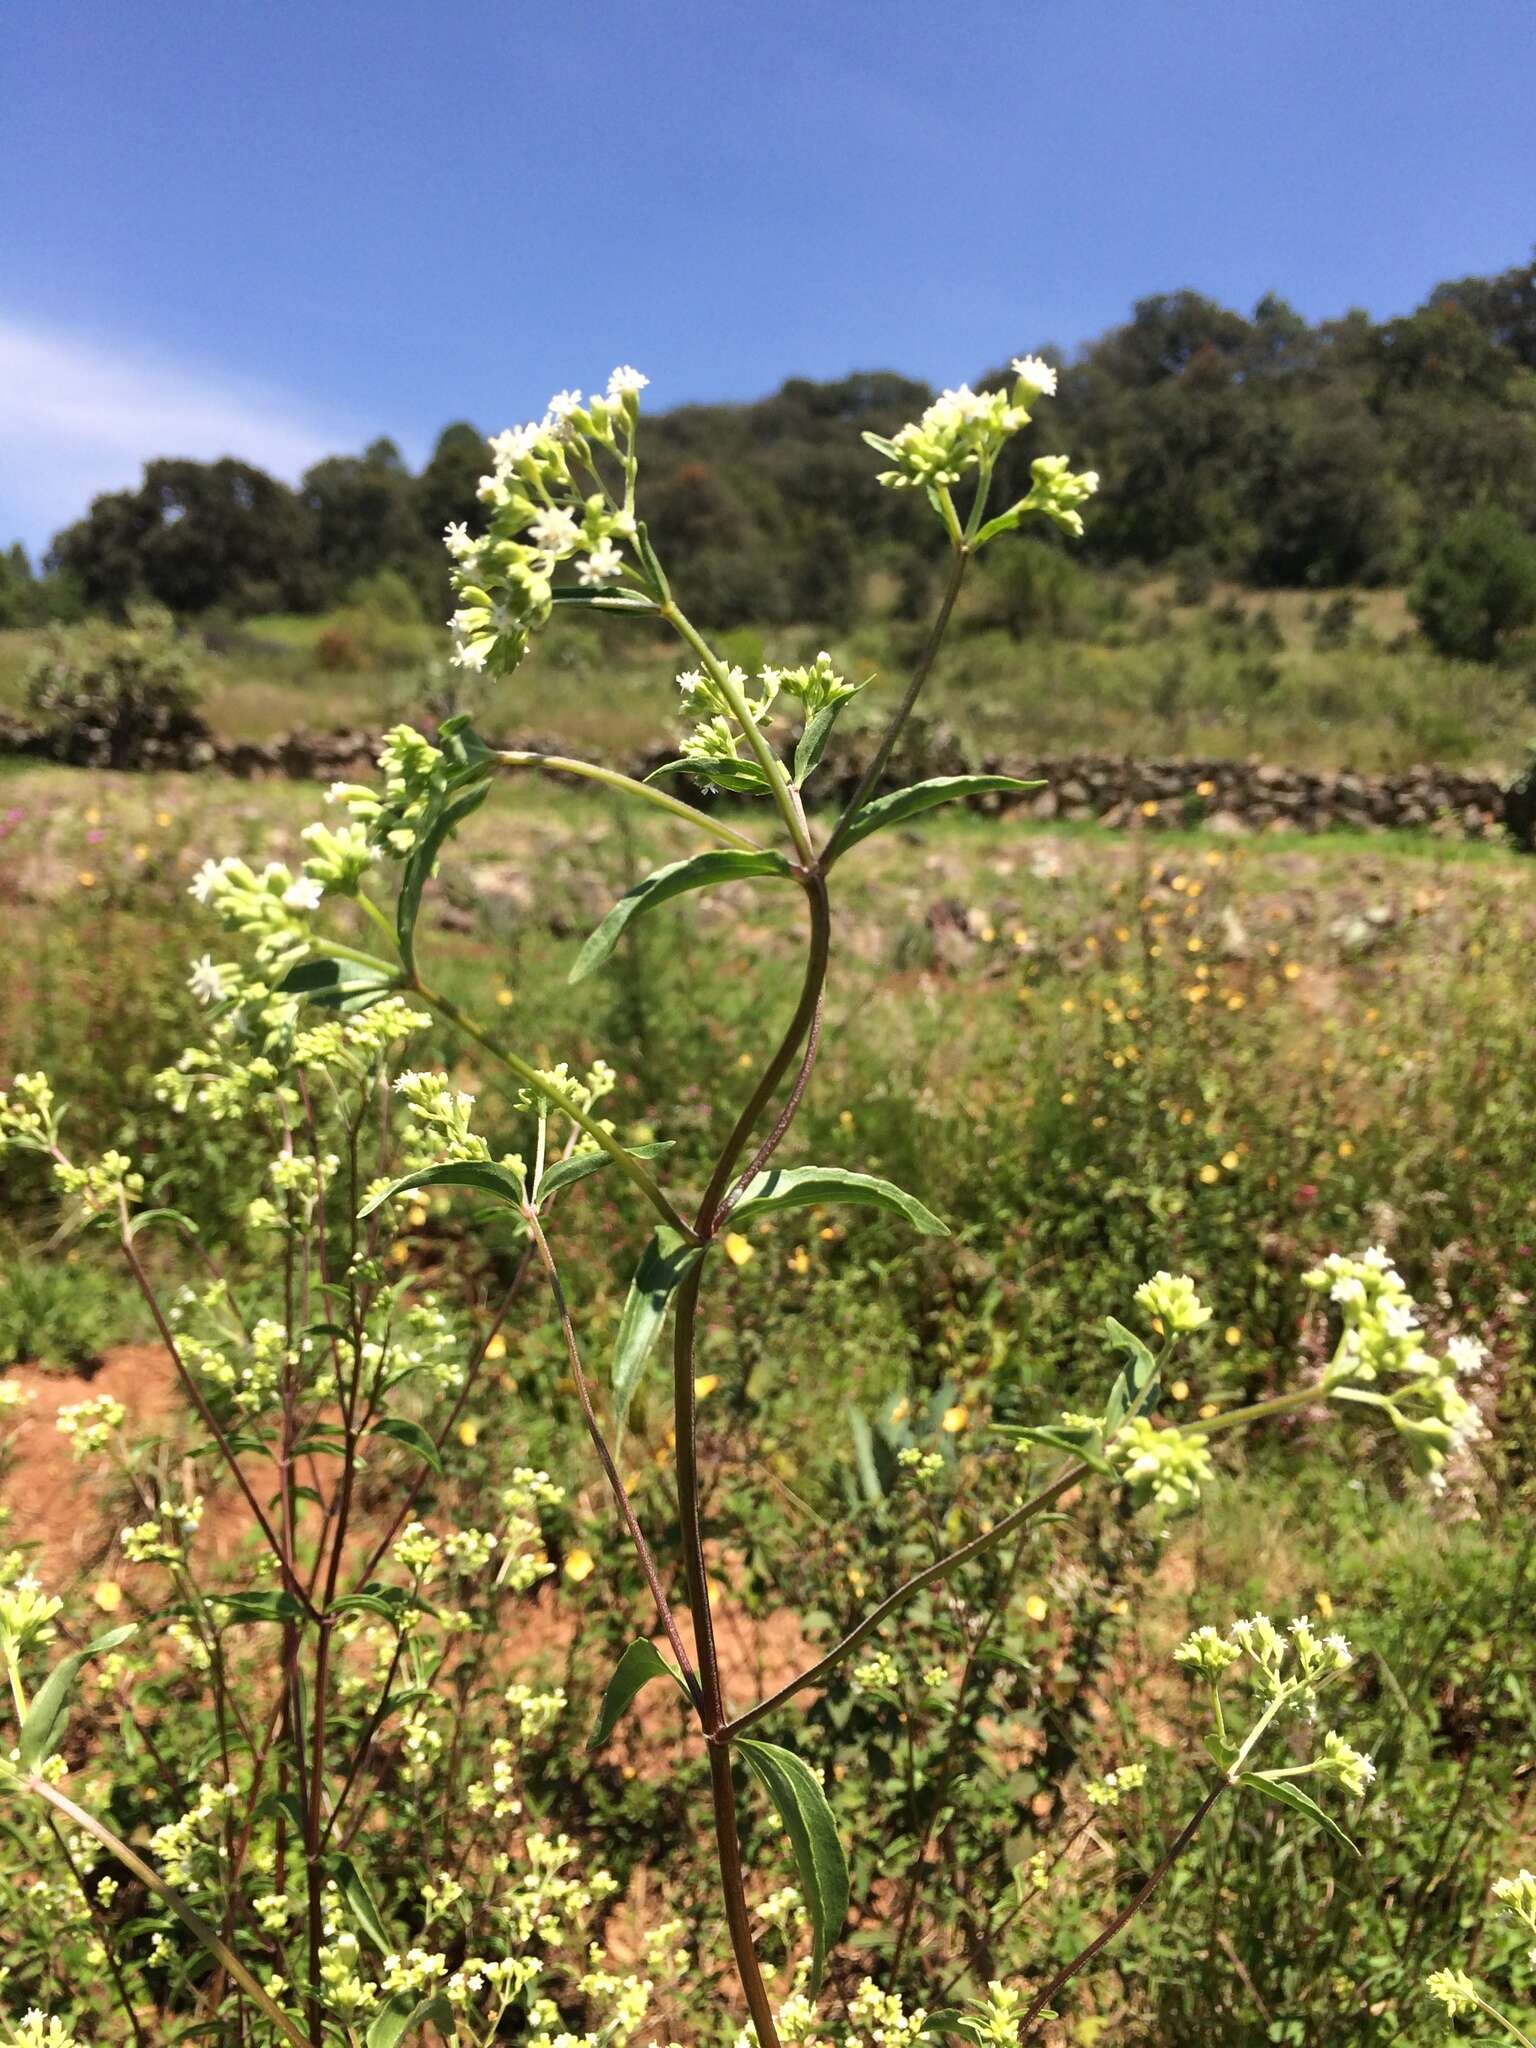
column 193, row 535
column 364, row 517
column 1478, row 586
column 1264, row 448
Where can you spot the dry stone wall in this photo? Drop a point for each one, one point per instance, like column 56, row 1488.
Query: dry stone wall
column 1232, row 796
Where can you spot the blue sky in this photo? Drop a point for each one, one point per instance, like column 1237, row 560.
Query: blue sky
column 278, row 230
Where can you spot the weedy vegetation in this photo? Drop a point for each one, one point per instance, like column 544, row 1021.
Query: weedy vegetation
column 713, row 1440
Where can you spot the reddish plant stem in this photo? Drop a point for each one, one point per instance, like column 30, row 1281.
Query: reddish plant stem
column 1125, row 1916
column 605, row 1458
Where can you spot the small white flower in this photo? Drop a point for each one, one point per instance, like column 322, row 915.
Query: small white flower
column 510, row 446
column 564, row 403
column 206, row 880
column 304, row 894
column 207, row 980
column 1466, row 1355
column 626, row 381
column 457, row 540
column 555, row 531
column 1039, row 376
column 601, row 566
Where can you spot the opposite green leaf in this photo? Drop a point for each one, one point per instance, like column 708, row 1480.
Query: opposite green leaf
column 48, row 1716
column 796, row 1791
column 267, row 1606
column 482, row 1174
column 667, row 1261
column 700, row 871
column 404, row 2013
column 360, row 1900
column 1135, row 1384
column 800, row 1187
column 640, row 1663
column 902, row 804
column 402, row 1430
column 565, row 1172
column 1287, row 1794
column 1077, row 1443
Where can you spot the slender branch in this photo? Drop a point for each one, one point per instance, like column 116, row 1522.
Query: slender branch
column 767, row 759
column 197, row 1927
column 870, row 778
column 801, row 1024
column 940, row 1568
column 472, row 1371
column 634, row 1169
column 1101, row 1941
column 214, row 1428
column 561, row 764
column 605, row 1457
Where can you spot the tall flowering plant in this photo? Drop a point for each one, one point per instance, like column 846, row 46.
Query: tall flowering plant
column 351, row 1375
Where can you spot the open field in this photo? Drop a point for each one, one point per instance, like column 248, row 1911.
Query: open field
column 1094, row 1056
column 1131, row 669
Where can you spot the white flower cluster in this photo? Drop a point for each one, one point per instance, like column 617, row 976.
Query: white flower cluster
column 1454, row 1989
column 36, row 2029
column 961, row 429
column 271, row 906
column 442, row 1113
column 164, row 1537
column 1383, row 1361
column 1113, row 1786
column 1172, row 1299
column 91, row 1425
column 1290, row 1671
column 966, row 429
column 551, row 500
column 581, row 1093
column 878, row 1674
column 29, row 1118
column 712, row 748
column 1167, row 1467
column 26, row 1611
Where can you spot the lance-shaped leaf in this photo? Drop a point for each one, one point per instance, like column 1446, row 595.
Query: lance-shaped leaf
column 467, row 783
column 667, row 1261
column 902, row 804
column 405, row 2012
column 700, row 871
column 1083, row 1444
column 1288, row 1794
column 402, row 1430
column 360, row 1902
column 741, row 778
column 339, row 984
column 48, row 1716
column 481, row 1174
column 812, row 743
column 801, row 1187
column 1135, row 1386
column 564, row 1172
column 640, row 1663
column 796, row 1791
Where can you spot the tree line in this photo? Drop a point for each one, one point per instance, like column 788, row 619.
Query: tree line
column 1258, row 447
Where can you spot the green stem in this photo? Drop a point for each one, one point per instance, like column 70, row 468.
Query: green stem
column 1500, row 2019
column 634, row 1169
column 198, row 1928
column 767, row 759
column 560, row 764
column 872, row 774
column 987, row 1540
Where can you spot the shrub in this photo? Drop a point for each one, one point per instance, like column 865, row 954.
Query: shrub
column 116, row 696
column 1477, row 588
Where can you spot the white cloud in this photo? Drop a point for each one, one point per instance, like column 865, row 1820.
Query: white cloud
column 78, row 418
